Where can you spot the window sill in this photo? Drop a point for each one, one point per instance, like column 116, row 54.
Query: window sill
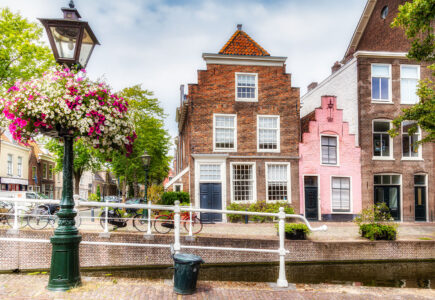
column 341, row 212
column 412, row 159
column 382, row 102
column 328, row 165
column 275, row 201
column 247, row 100
column 268, row 151
column 224, row 150
column 381, row 158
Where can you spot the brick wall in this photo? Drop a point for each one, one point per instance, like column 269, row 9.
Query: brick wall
column 14, row 255
column 370, row 111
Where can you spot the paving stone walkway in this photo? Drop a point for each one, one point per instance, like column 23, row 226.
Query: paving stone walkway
column 18, row 286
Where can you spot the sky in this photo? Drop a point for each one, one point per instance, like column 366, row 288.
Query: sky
column 159, row 43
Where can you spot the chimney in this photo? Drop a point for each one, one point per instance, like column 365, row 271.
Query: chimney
column 335, row 67
column 239, row 26
column 311, row 86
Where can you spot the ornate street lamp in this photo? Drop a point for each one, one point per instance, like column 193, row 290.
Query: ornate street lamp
column 146, row 160
column 72, row 42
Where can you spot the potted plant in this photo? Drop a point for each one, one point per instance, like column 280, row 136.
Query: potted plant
column 375, row 223
column 295, row 231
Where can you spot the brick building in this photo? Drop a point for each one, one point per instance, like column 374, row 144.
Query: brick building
column 239, row 130
column 329, row 165
column 41, row 171
column 373, row 83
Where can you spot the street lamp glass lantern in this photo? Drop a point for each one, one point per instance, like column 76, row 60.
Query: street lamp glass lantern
column 71, row 40
column 146, row 159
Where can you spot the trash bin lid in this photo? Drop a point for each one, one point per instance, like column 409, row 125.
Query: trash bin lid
column 185, row 258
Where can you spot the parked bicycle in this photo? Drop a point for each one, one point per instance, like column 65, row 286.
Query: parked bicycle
column 165, row 222
column 115, row 218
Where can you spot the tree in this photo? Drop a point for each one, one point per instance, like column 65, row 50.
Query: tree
column 22, row 53
column 147, row 117
column 85, row 159
column 417, row 18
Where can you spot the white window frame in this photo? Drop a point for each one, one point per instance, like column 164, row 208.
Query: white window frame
column 419, row 157
column 256, row 87
column 278, row 149
column 391, row 156
column 350, row 195
column 178, row 184
column 10, row 168
column 234, row 149
column 254, row 182
column 418, row 78
column 289, row 191
column 390, row 96
column 337, row 149
column 20, row 166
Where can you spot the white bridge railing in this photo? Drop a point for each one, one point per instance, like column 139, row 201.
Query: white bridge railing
column 18, row 203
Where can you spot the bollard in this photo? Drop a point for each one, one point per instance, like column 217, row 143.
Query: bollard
column 106, row 226
column 177, row 245
column 282, row 280
column 92, row 214
column 246, row 217
column 190, row 220
column 149, row 222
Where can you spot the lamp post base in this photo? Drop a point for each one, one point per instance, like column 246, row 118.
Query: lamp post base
column 65, row 270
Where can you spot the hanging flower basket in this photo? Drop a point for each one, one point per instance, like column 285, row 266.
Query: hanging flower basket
column 63, row 102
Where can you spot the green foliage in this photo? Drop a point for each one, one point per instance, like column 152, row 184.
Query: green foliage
column 168, row 198
column 293, row 227
column 147, row 116
column 94, row 197
column 154, row 193
column 374, row 223
column 417, row 19
column 22, row 53
column 260, row 206
column 98, row 193
column 378, row 231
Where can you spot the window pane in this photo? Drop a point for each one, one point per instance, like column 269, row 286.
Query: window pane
column 408, row 91
column 381, row 126
column 376, row 88
column 268, row 133
column 420, row 179
column 395, row 179
column 277, row 182
column 406, row 146
column 246, row 86
column 377, row 179
column 210, row 172
column 384, row 88
column 386, row 179
column 243, row 181
column 409, row 72
column 340, row 194
column 393, row 198
column 380, row 71
column 224, row 132
column 385, row 145
column 377, row 145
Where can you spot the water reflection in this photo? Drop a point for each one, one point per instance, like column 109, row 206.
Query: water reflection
column 393, row 274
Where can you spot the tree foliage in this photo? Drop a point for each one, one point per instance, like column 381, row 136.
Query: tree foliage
column 417, row 18
column 147, row 116
column 22, row 53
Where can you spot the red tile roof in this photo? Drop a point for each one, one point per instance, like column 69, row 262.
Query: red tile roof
column 242, row 44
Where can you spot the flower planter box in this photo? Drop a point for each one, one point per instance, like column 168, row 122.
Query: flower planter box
column 296, row 235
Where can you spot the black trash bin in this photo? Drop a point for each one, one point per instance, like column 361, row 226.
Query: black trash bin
column 186, row 269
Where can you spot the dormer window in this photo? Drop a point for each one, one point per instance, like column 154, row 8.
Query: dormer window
column 246, row 87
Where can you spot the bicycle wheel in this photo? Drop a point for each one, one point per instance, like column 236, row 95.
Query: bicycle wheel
column 196, row 225
column 22, row 219
column 140, row 222
column 39, row 218
column 163, row 224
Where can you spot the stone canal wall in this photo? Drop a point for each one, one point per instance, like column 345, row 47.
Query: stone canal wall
column 25, row 255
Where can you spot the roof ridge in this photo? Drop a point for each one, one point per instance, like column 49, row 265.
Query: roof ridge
column 238, row 32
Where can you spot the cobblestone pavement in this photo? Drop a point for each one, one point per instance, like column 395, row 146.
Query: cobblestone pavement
column 14, row 286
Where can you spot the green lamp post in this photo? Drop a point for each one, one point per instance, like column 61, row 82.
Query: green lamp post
column 72, row 42
column 146, row 159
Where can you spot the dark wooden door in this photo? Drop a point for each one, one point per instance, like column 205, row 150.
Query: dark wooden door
column 390, row 195
column 420, row 203
column 211, row 197
column 311, row 198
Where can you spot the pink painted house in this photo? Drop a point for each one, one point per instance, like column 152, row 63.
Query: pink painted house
column 329, row 165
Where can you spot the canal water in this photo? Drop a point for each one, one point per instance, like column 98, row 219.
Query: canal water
column 386, row 274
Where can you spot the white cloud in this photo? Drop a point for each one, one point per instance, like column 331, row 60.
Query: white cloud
column 159, row 43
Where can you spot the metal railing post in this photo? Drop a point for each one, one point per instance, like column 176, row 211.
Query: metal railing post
column 190, row 220
column 106, row 226
column 177, row 245
column 15, row 216
column 149, row 222
column 282, row 280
